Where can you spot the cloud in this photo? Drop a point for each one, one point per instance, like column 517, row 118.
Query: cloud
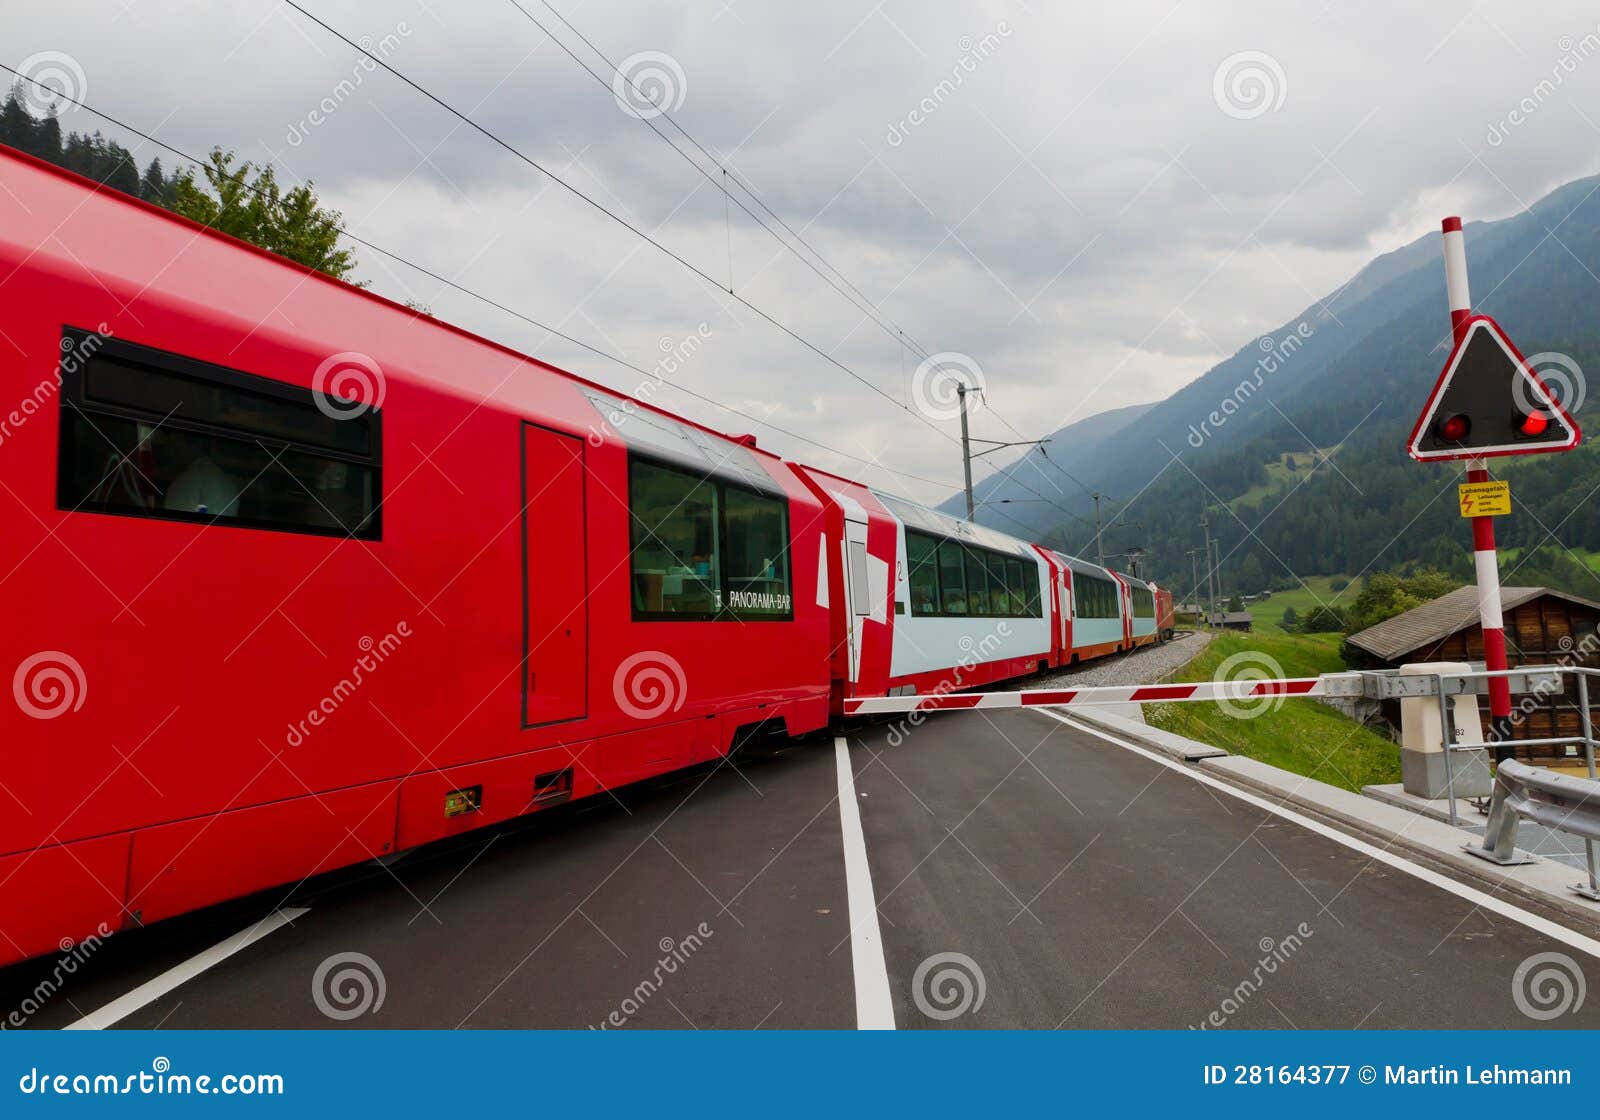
column 1054, row 191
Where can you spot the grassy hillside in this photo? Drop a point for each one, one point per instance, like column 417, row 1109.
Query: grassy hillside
column 1301, row 736
column 1267, row 614
column 1280, row 479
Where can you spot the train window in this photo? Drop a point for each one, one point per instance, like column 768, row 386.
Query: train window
column 145, row 433
column 1017, row 600
column 953, row 578
column 1144, row 602
column 860, row 586
column 1030, row 588
column 922, row 558
column 1095, row 598
column 674, row 520
column 757, row 554
column 999, row 592
column 978, row 585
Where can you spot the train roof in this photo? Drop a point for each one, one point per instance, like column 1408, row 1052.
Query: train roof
column 915, row 516
column 1083, row 566
column 204, row 260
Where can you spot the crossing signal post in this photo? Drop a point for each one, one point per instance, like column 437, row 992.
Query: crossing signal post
column 1487, row 402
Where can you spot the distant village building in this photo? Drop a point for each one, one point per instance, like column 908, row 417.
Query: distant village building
column 1230, row 620
column 1543, row 627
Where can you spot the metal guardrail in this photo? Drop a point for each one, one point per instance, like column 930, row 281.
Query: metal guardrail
column 1556, row 801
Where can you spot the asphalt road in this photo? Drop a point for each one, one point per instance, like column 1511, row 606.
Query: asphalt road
column 1026, row 874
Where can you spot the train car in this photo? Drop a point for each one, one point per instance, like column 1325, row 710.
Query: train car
column 1166, row 616
column 926, row 602
column 1142, row 629
column 1099, row 624
column 297, row 577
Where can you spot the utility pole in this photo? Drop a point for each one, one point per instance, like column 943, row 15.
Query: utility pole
column 994, row 445
column 966, row 447
column 1217, row 590
column 1194, row 575
column 1211, row 585
column 1099, row 552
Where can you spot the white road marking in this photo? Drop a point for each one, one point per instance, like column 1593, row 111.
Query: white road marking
column 1444, row 882
column 152, row 990
column 874, row 1005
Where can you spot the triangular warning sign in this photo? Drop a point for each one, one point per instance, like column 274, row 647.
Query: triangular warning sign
column 1487, row 402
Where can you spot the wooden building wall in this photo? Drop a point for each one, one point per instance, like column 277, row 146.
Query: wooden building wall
column 1545, row 631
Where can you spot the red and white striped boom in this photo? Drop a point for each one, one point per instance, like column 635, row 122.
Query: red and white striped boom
column 1235, row 691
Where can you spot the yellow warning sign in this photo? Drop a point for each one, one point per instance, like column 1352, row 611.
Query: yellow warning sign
column 1485, row 499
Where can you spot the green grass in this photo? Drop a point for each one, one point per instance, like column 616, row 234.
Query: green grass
column 1589, row 556
column 1267, row 614
column 1301, row 736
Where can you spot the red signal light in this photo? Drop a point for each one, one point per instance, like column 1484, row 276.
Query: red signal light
column 1531, row 425
column 1454, row 429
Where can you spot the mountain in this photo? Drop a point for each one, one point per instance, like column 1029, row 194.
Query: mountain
column 1346, row 377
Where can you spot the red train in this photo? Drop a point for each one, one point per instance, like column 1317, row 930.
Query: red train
column 297, row 577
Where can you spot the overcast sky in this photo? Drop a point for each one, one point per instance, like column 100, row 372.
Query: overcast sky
column 1093, row 202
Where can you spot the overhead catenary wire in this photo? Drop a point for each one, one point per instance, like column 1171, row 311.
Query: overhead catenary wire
column 688, row 265
column 488, row 301
column 869, row 309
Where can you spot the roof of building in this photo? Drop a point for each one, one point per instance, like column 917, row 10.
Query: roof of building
column 1229, row 618
column 1433, row 622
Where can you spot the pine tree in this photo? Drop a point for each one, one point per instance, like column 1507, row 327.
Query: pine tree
column 153, row 187
column 47, row 138
column 16, row 123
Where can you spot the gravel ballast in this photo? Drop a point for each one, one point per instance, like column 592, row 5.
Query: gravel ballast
column 1149, row 665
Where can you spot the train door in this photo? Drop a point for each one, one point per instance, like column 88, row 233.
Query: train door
column 555, row 579
column 1125, row 597
column 1064, row 593
column 857, row 590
